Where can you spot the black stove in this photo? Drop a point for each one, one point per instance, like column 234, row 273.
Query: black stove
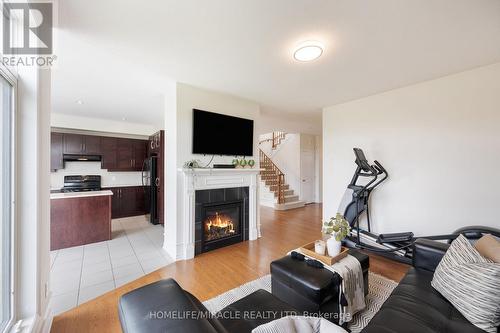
column 81, row 183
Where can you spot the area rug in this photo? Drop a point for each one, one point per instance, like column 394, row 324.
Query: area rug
column 379, row 290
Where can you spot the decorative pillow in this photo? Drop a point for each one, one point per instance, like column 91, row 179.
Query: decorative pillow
column 471, row 283
column 299, row 324
column 489, row 247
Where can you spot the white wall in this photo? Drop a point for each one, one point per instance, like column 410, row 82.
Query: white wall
column 171, row 204
column 180, row 100
column 319, row 168
column 439, row 141
column 102, row 125
column 32, row 214
column 272, row 122
column 108, row 179
column 189, row 98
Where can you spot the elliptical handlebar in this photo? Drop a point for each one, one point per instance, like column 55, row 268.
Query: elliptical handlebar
column 380, row 167
column 365, row 169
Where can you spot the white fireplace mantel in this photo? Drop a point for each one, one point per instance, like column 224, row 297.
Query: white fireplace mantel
column 204, row 179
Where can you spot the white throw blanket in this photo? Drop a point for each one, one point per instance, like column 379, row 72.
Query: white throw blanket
column 299, row 324
column 352, row 286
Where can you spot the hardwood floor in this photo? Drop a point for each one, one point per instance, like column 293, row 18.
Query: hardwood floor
column 215, row 272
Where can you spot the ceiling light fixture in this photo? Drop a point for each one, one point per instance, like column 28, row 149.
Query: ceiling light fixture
column 308, row 51
column 79, row 102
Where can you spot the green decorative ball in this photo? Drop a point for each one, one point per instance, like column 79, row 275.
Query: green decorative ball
column 236, row 162
column 243, row 163
column 251, row 163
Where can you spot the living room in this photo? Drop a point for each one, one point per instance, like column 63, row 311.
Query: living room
column 250, row 166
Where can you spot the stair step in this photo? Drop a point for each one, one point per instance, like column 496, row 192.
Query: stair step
column 291, row 198
column 275, row 187
column 287, row 193
column 290, row 205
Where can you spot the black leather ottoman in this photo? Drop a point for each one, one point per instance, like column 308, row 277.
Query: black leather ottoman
column 309, row 289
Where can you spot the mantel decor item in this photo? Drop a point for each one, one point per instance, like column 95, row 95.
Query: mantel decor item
column 192, row 164
column 236, row 162
column 243, row 163
column 338, row 228
column 251, row 163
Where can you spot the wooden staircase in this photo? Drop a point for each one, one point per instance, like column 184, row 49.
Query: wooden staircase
column 274, row 179
column 276, row 139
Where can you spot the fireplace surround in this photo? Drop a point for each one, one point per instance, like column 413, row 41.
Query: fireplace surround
column 193, row 183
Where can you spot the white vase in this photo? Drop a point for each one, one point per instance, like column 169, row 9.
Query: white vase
column 333, row 246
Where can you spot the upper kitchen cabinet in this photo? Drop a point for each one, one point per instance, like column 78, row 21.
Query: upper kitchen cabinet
column 92, row 145
column 56, row 151
column 130, row 154
column 125, row 155
column 109, row 153
column 117, row 154
column 140, row 153
column 82, row 144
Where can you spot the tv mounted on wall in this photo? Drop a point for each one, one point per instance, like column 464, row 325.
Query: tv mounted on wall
column 218, row 134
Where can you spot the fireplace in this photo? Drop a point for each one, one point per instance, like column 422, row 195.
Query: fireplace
column 221, row 218
column 222, row 225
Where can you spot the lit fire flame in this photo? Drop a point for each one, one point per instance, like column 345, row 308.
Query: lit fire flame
column 220, row 221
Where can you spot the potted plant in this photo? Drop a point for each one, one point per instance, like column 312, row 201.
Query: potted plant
column 337, row 228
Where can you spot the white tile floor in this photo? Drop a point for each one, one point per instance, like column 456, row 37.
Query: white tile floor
column 81, row 273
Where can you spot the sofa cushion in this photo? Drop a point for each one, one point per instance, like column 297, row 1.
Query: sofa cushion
column 252, row 311
column 415, row 307
column 162, row 307
column 299, row 324
column 471, row 283
column 489, row 247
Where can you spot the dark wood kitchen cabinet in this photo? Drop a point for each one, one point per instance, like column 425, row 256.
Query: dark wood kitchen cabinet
column 108, row 152
column 130, row 154
column 124, row 154
column 117, row 154
column 80, row 220
column 77, row 144
column 127, row 201
column 73, row 144
column 56, row 151
column 92, row 144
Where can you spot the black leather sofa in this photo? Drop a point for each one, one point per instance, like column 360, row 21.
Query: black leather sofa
column 414, row 306
column 164, row 306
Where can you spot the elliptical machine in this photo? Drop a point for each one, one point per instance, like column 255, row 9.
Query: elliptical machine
column 396, row 246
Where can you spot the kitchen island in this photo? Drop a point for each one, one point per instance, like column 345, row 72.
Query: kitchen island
column 79, row 218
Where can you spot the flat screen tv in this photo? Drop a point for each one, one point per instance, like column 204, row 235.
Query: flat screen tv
column 218, row 134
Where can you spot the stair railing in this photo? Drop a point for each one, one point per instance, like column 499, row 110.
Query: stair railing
column 277, row 175
column 277, row 138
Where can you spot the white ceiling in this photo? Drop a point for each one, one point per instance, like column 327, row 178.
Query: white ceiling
column 116, row 55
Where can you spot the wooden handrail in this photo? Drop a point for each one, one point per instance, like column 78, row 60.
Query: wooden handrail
column 277, row 174
column 277, row 138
